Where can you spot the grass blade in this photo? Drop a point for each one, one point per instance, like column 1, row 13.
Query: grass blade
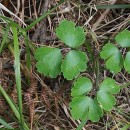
column 17, row 72
column 5, row 35
column 12, row 106
column 22, row 32
column 121, row 6
column 5, row 124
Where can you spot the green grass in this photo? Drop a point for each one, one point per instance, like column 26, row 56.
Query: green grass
column 18, row 31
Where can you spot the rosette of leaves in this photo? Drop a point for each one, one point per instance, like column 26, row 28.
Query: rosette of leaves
column 92, row 109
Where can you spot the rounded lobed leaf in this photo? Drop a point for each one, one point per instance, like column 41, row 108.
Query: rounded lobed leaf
column 69, row 34
column 105, row 94
column 113, row 57
column 49, row 61
column 88, row 108
column 123, row 38
column 73, row 64
column 108, row 50
column 127, row 62
column 81, row 86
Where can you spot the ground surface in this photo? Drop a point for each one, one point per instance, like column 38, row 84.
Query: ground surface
column 46, row 100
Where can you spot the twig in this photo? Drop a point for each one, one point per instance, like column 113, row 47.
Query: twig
column 96, row 24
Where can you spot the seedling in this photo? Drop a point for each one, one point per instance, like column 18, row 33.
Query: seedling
column 51, row 63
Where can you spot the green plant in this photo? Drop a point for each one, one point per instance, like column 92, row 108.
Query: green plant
column 16, row 29
column 74, row 62
column 14, row 49
column 50, row 63
column 114, row 59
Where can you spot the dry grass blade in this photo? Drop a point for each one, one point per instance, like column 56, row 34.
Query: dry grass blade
column 96, row 24
column 7, row 10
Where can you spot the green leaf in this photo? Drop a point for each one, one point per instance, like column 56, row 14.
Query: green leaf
column 123, row 38
column 81, row 86
column 69, row 34
column 113, row 57
column 73, row 64
column 127, row 62
column 82, row 107
column 49, row 61
column 5, row 124
column 88, row 107
column 105, row 95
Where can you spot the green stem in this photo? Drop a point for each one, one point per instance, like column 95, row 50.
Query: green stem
column 81, row 125
column 97, row 73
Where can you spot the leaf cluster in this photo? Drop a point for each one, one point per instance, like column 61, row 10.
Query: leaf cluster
column 92, row 108
column 111, row 54
column 50, row 62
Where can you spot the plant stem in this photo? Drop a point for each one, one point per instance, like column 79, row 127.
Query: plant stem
column 81, row 125
column 97, row 73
